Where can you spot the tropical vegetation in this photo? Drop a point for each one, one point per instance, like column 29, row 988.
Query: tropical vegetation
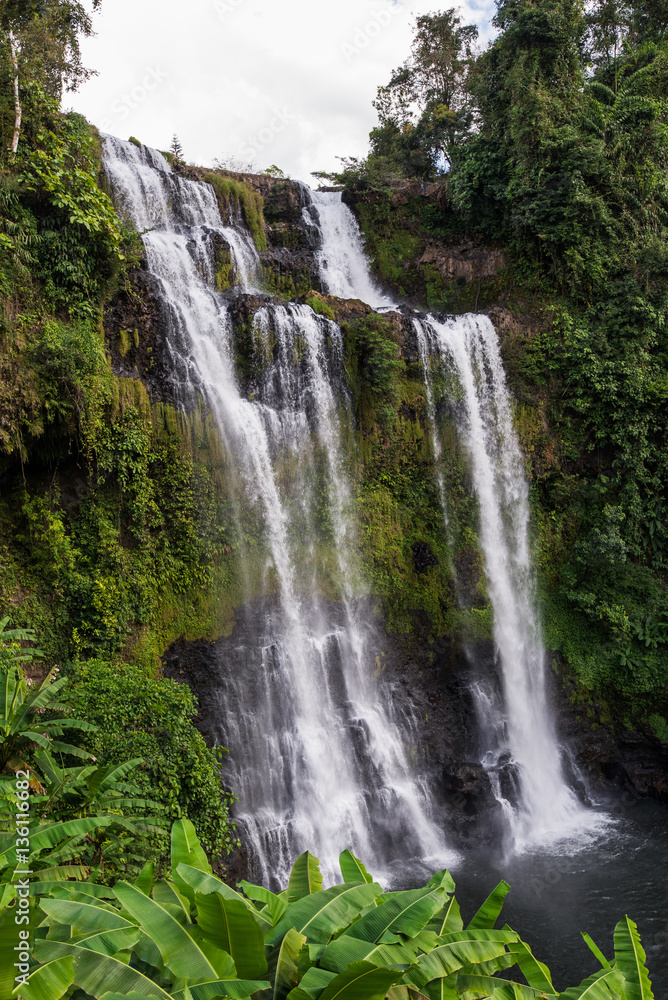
column 551, row 145
column 190, row 936
column 117, row 534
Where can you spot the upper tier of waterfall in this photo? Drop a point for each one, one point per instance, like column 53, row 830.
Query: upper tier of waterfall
column 344, row 268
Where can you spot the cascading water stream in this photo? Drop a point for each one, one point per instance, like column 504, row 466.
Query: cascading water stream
column 344, row 268
column 519, row 727
column 316, row 760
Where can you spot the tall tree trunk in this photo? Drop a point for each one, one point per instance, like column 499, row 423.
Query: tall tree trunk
column 17, row 99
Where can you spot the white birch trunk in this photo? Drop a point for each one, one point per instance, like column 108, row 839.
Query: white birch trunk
column 17, row 100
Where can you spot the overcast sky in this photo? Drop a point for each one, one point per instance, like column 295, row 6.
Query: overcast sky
column 286, row 82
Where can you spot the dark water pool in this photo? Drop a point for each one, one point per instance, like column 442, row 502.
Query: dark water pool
column 557, row 894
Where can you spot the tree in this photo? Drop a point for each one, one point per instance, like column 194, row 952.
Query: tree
column 43, row 41
column 608, row 24
column 15, row 16
column 22, row 729
column 424, row 111
column 176, row 149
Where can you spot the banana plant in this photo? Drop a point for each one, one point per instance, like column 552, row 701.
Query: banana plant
column 193, row 937
column 24, row 726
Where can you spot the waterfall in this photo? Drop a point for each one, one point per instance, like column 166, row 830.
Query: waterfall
column 344, row 268
column 316, row 744
column 520, row 748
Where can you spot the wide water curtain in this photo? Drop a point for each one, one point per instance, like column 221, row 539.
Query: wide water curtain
column 316, row 755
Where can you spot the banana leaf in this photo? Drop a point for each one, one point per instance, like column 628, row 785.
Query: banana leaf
column 85, row 888
column 97, row 974
column 500, row 989
column 286, row 970
column 346, row 949
column 167, row 895
column 595, row 950
column 233, row 928
column 403, row 913
column 144, row 880
column 325, row 913
column 605, row 985
column 49, row 982
column 83, row 917
column 536, row 973
column 489, row 912
column 448, row 920
column 630, row 960
column 125, row 996
column 50, row 835
column 181, row 953
column 402, row 992
column 186, row 848
column 274, row 906
column 238, row 989
column 305, row 878
column 463, row 948
column 361, row 981
column 313, row 982
column 110, row 942
column 442, row 880
column 352, row 869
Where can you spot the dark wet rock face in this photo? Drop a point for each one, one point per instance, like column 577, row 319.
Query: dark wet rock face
column 423, row 557
column 134, row 331
column 622, row 767
column 429, row 687
column 291, row 273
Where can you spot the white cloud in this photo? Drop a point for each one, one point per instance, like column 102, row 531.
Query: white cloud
column 293, row 78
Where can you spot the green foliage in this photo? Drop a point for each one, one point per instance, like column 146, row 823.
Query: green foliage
column 136, row 715
column 81, row 817
column 234, row 194
column 21, row 734
column 320, row 307
column 197, row 938
column 146, row 532
column 81, row 243
column 378, row 367
column 398, row 496
column 224, row 269
column 12, row 651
